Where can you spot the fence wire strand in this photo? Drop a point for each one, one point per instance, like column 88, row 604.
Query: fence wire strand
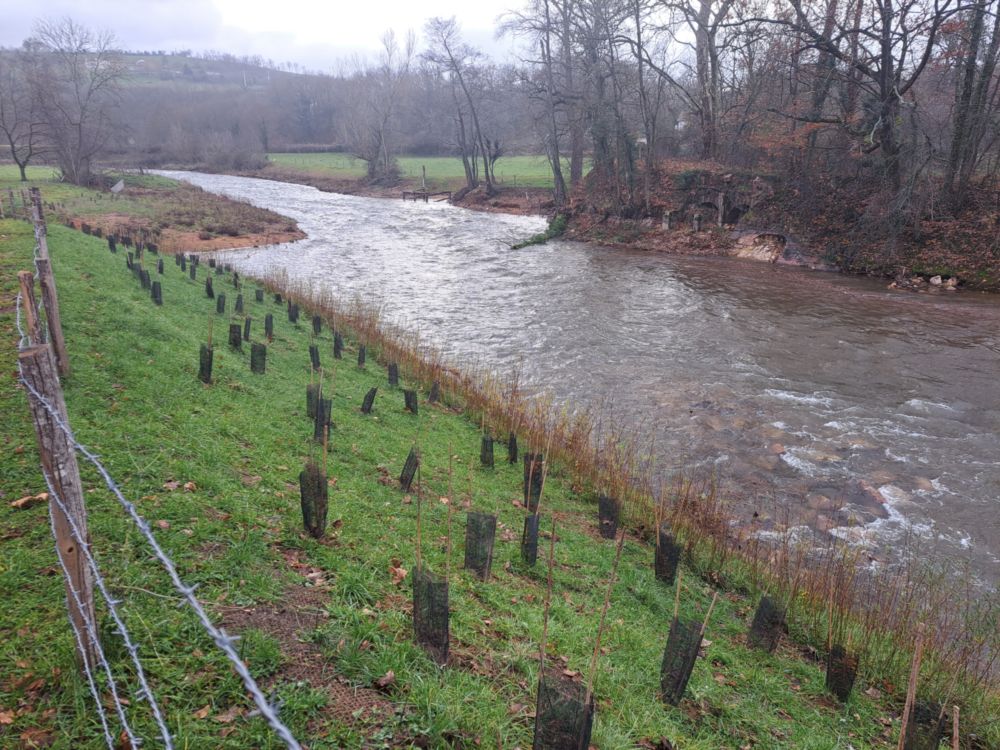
column 221, row 639
column 144, row 692
column 91, row 627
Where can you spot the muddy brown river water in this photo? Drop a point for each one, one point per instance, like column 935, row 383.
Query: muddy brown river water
column 828, row 402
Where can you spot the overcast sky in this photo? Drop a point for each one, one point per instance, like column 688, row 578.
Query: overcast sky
column 313, row 33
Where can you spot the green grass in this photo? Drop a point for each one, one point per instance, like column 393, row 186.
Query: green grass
column 443, row 172
column 133, row 397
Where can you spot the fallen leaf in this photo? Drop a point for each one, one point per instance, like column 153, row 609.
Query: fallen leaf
column 37, row 738
column 398, row 572
column 227, row 717
column 29, row 501
column 6, row 717
column 203, row 712
column 515, row 708
column 171, row 485
column 190, row 486
column 163, row 524
column 386, row 680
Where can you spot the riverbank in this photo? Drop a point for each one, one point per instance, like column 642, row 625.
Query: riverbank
column 763, row 221
column 174, row 216
column 235, row 529
column 521, row 201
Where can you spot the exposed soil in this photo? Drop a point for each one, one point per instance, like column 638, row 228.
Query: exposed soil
column 299, row 611
column 183, row 218
column 175, row 240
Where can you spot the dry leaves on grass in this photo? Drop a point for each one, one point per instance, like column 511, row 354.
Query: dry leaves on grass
column 174, row 485
column 228, row 716
column 397, row 571
column 29, row 501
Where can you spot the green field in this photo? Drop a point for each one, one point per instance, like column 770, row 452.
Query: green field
column 443, row 172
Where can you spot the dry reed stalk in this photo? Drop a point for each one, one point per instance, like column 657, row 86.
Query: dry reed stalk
column 911, row 689
column 954, row 728
column 420, row 502
column 451, row 506
column 704, row 623
column 548, row 601
column 592, row 672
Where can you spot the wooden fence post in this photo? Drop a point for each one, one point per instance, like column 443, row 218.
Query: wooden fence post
column 51, row 302
column 27, row 281
column 48, row 283
column 58, row 459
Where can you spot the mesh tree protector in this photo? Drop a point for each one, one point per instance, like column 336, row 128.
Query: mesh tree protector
column 562, row 721
column 679, row 657
column 480, row 533
column 430, row 613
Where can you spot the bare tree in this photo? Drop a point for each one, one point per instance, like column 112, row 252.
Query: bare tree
column 456, row 60
column 370, row 122
column 79, row 83
column 21, row 122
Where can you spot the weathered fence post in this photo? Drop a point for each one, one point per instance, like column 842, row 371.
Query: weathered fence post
column 27, row 282
column 58, row 460
column 48, row 284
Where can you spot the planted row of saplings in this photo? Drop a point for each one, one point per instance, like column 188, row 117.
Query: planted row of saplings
column 565, row 708
column 239, row 331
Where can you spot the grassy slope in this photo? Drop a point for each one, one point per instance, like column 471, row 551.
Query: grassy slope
column 443, row 172
column 134, row 398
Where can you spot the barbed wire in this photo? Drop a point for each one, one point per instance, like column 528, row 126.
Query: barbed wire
column 144, row 693
column 91, row 627
column 88, row 674
column 222, row 640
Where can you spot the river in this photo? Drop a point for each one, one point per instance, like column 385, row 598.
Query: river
column 823, row 401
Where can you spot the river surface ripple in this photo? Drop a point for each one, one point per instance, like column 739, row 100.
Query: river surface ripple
column 810, row 393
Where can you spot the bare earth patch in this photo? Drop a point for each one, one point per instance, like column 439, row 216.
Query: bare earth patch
column 299, row 611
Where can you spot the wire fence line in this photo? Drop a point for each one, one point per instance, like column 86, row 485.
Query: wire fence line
column 222, row 640
column 144, row 692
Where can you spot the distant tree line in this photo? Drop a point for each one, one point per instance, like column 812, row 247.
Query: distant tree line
column 896, row 97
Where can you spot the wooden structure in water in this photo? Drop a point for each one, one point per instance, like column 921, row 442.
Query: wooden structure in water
column 425, row 195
